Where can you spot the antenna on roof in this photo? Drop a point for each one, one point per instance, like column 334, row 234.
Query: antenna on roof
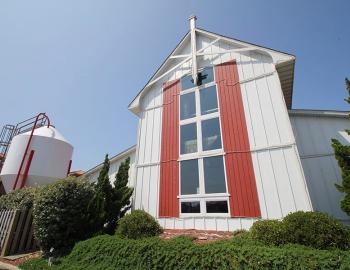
column 192, row 20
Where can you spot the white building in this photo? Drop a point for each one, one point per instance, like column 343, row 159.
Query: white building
column 218, row 144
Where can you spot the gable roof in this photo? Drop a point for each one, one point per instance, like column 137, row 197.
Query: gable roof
column 284, row 63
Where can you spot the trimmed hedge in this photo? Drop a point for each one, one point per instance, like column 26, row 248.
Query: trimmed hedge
column 110, row 252
column 270, row 232
column 317, row 230
column 18, row 199
column 313, row 229
column 138, row 224
column 62, row 216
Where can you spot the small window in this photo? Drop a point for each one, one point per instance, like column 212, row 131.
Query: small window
column 214, row 175
column 188, row 106
column 205, row 76
column 188, row 138
column 190, row 207
column 211, row 135
column 217, row 207
column 187, row 82
column 189, row 177
column 209, row 102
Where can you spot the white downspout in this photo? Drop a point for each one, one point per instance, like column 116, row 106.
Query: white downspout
column 192, row 20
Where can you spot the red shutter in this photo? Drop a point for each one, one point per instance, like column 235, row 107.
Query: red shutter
column 244, row 200
column 169, row 167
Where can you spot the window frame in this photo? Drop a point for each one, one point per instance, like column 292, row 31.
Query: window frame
column 202, row 197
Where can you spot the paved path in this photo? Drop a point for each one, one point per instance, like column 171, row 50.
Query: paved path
column 6, row 266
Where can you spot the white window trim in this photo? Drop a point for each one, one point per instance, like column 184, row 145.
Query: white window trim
column 200, row 155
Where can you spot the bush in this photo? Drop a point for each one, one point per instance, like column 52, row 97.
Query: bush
column 240, row 233
column 138, row 224
column 18, row 199
column 315, row 229
column 269, row 232
column 61, row 215
column 109, row 252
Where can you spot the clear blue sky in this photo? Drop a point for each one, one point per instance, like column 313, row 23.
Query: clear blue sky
column 83, row 61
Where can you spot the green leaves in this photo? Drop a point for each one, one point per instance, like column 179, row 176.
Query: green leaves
column 62, row 216
column 19, row 199
column 110, row 252
column 111, row 202
column 342, row 155
column 313, row 229
column 138, row 224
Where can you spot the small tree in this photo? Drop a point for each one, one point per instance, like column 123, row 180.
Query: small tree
column 123, row 193
column 111, row 202
column 121, row 196
column 342, row 154
column 103, row 197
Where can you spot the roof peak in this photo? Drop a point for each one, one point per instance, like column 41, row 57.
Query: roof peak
column 283, row 61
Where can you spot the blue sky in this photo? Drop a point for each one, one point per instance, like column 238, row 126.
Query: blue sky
column 83, row 61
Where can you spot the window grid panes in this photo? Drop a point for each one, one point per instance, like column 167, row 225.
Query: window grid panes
column 189, row 177
column 190, row 207
column 208, row 98
column 188, row 137
column 202, row 172
column 211, row 135
column 188, row 106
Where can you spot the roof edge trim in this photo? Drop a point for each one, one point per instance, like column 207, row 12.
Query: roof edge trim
column 111, row 160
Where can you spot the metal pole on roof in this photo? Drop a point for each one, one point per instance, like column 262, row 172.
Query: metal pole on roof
column 192, row 20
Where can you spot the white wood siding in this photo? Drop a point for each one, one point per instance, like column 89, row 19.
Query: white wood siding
column 313, row 135
column 278, row 171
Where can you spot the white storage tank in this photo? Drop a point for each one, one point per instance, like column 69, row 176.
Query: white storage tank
column 50, row 160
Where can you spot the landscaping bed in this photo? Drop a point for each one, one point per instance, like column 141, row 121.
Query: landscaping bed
column 111, row 252
column 199, row 236
column 20, row 259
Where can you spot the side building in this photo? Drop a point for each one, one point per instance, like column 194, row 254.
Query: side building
column 115, row 161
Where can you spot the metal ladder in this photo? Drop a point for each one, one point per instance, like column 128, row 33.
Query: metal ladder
column 9, row 131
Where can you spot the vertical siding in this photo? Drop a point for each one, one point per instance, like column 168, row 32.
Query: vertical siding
column 313, row 135
column 239, row 166
column 169, row 168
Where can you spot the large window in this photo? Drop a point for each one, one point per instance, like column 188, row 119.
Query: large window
column 203, row 188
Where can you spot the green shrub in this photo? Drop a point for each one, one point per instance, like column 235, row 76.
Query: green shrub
column 138, row 224
column 61, row 215
column 110, row 252
column 269, row 232
column 18, row 199
column 313, row 229
column 316, row 230
column 239, row 232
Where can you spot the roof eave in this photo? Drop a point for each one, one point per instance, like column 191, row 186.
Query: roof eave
column 134, row 104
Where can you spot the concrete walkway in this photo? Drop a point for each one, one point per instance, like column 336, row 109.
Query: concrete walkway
column 6, row 266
